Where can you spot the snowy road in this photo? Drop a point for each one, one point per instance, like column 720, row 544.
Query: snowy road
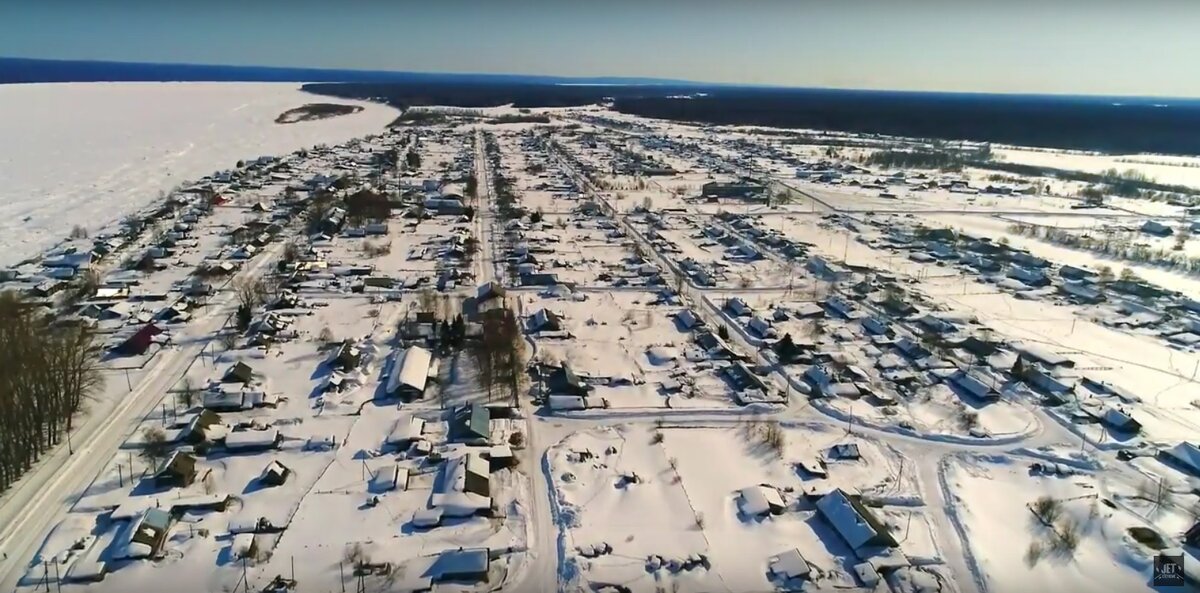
column 929, row 451
column 539, row 570
column 47, row 493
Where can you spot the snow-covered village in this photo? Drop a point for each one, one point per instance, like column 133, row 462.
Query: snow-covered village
column 571, row 349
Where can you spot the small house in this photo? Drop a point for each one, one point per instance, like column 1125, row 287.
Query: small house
column 1045, row 357
column 410, row 373
column 845, row 452
column 853, row 521
column 1185, row 456
column 275, row 474
column 937, row 324
column 839, row 306
column 564, row 381
column 346, row 357
column 544, row 320
column 407, row 430
column 789, row 565
column 758, row 501
column 1081, row 291
column 738, row 307
column 1119, row 421
column 875, row 326
column 149, row 534
column 471, row 424
column 196, row 430
column 138, row 343
column 489, row 291
column 688, row 319
column 253, row 440
column 1157, row 229
column 977, row 384
column 178, row 471
column 470, row 565
column 240, row 372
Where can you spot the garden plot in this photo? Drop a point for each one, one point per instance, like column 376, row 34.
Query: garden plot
column 411, row 253
column 726, row 260
column 351, row 511
column 1088, row 547
column 587, row 252
column 649, row 511
column 630, row 349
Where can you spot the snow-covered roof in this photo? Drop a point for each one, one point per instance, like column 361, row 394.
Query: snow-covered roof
column 411, row 370
column 845, row 518
column 1186, row 454
column 407, row 428
column 688, row 318
column 759, row 500
column 789, row 565
column 452, row 563
column 250, row 439
column 427, row 517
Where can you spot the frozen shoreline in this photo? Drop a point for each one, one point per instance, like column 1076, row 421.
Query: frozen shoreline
column 90, row 153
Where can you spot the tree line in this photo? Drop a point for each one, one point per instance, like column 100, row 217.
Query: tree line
column 49, row 371
column 500, row 354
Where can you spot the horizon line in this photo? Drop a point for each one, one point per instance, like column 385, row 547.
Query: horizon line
column 545, row 78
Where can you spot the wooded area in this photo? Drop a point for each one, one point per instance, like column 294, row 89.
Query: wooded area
column 48, row 372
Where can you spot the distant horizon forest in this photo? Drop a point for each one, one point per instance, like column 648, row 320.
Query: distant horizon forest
column 1073, row 123
column 1105, row 124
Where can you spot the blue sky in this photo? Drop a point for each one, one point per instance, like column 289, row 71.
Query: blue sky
column 1134, row 47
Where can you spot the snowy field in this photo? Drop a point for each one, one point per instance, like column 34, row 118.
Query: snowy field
column 88, row 154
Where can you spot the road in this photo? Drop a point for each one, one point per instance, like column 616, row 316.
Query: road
column 44, row 496
column 928, row 453
column 539, row 571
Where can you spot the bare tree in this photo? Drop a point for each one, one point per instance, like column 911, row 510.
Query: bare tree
column 251, row 292
column 155, row 446
column 49, row 371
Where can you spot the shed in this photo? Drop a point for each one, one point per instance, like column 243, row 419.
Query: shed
column 500, row 457
column 431, row 517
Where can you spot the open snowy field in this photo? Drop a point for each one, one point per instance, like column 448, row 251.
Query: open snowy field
column 1164, row 169
column 88, row 154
